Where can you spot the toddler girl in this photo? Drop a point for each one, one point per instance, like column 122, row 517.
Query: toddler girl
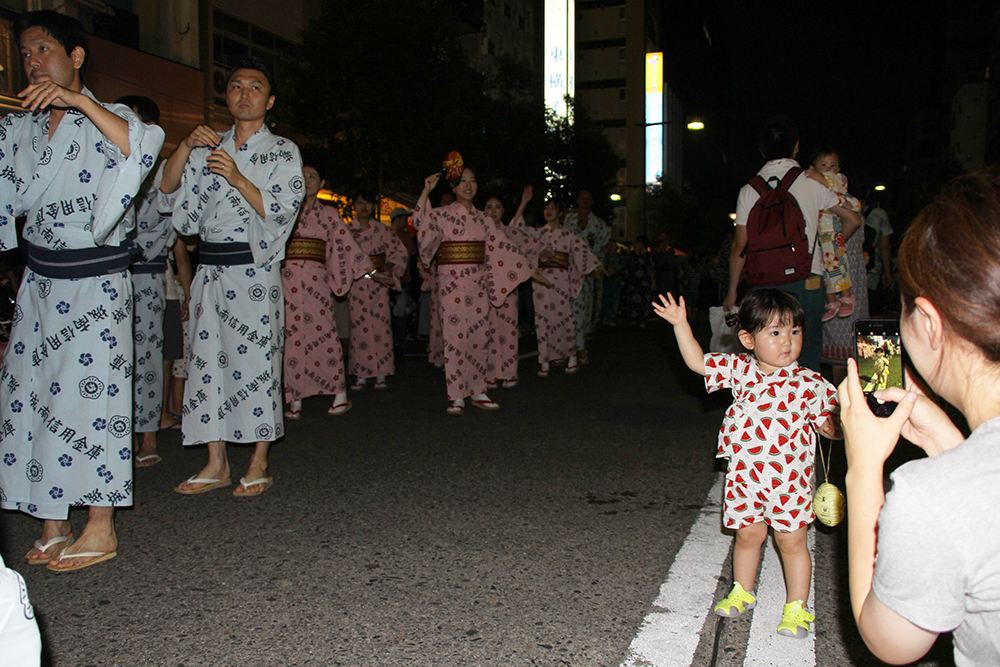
column 769, row 437
column 837, row 274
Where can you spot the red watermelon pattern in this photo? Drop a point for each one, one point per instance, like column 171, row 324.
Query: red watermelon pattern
column 769, row 435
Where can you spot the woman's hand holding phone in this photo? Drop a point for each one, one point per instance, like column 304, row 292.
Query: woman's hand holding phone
column 928, row 427
column 868, row 440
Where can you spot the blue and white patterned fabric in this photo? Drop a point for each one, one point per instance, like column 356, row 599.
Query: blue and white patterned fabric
column 66, row 378
column 233, row 391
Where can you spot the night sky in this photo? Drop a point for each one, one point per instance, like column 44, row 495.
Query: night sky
column 851, row 80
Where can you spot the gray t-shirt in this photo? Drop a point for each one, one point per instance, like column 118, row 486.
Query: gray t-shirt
column 938, row 561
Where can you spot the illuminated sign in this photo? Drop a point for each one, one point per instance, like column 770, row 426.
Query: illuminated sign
column 654, row 114
column 560, row 53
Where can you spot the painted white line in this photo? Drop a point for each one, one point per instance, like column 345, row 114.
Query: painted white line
column 669, row 636
column 766, row 646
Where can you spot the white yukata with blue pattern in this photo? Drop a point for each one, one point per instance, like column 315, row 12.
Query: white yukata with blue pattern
column 66, row 378
column 596, row 234
column 233, row 391
column 154, row 235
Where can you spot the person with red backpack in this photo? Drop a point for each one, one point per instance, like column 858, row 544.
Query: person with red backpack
column 777, row 217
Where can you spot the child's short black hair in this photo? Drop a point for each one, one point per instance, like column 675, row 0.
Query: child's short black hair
column 64, row 29
column 147, row 109
column 367, row 194
column 760, row 306
column 822, row 151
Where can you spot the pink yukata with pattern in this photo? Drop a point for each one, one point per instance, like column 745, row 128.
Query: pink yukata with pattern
column 314, row 359
column 555, row 325
column 435, row 344
column 769, row 435
column 465, row 291
column 504, row 334
column 370, row 352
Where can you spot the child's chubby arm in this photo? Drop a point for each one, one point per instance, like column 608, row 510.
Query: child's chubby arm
column 831, row 428
column 675, row 312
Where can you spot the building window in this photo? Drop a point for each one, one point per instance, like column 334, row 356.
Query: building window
column 233, row 40
column 506, row 10
column 621, row 93
column 520, row 22
column 11, row 72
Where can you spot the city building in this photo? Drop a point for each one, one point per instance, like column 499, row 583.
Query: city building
column 176, row 52
column 613, row 39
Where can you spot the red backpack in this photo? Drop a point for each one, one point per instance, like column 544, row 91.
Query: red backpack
column 777, row 250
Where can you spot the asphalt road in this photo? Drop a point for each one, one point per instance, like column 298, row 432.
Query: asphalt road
column 394, row 535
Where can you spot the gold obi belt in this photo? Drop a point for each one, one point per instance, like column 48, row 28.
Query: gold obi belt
column 559, row 260
column 462, row 252
column 305, row 248
column 378, row 261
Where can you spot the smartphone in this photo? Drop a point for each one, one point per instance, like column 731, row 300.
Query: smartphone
column 878, row 349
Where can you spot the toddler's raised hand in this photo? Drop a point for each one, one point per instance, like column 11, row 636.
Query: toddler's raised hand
column 672, row 311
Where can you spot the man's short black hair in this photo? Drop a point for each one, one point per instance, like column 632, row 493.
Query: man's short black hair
column 253, row 62
column 147, row 109
column 778, row 138
column 64, row 29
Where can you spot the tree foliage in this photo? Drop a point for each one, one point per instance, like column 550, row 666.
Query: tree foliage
column 383, row 90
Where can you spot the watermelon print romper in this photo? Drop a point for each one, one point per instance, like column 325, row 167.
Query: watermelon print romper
column 769, row 435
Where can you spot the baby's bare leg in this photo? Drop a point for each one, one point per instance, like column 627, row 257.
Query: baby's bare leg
column 796, row 562
column 746, row 554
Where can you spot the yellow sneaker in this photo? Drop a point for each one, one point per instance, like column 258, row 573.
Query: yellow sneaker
column 737, row 602
column 795, row 620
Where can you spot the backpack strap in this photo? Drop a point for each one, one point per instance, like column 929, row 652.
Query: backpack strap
column 789, row 177
column 759, row 184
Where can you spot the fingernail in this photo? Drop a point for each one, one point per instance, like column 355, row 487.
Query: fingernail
column 911, row 397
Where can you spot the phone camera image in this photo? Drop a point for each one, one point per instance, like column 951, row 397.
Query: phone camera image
column 880, row 365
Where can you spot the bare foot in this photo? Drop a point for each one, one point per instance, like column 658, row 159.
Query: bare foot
column 146, row 454
column 97, row 538
column 92, row 542
column 50, row 530
column 208, row 472
column 256, row 471
column 168, row 421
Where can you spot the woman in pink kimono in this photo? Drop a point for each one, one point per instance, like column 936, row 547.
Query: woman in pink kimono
column 370, row 347
column 435, row 344
column 321, row 256
column 477, row 264
column 567, row 260
column 504, row 334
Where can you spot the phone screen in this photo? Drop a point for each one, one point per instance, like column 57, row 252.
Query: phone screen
column 879, row 353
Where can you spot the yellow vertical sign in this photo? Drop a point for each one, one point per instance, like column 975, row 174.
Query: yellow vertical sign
column 654, row 73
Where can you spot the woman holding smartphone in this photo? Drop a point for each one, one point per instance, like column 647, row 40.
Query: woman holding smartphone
column 937, row 532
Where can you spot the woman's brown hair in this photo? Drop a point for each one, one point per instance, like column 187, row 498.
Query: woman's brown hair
column 951, row 256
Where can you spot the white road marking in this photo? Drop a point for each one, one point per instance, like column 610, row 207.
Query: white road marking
column 669, row 636
column 766, row 646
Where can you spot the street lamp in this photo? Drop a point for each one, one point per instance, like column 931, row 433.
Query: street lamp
column 692, row 123
column 879, row 188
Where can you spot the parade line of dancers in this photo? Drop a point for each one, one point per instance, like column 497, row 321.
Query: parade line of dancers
column 81, row 370
column 83, row 374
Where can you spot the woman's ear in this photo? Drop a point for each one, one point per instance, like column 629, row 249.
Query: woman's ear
column 746, row 338
column 930, row 323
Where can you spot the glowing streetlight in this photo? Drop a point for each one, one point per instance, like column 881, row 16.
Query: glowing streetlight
column 879, row 188
column 616, row 197
column 696, row 124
